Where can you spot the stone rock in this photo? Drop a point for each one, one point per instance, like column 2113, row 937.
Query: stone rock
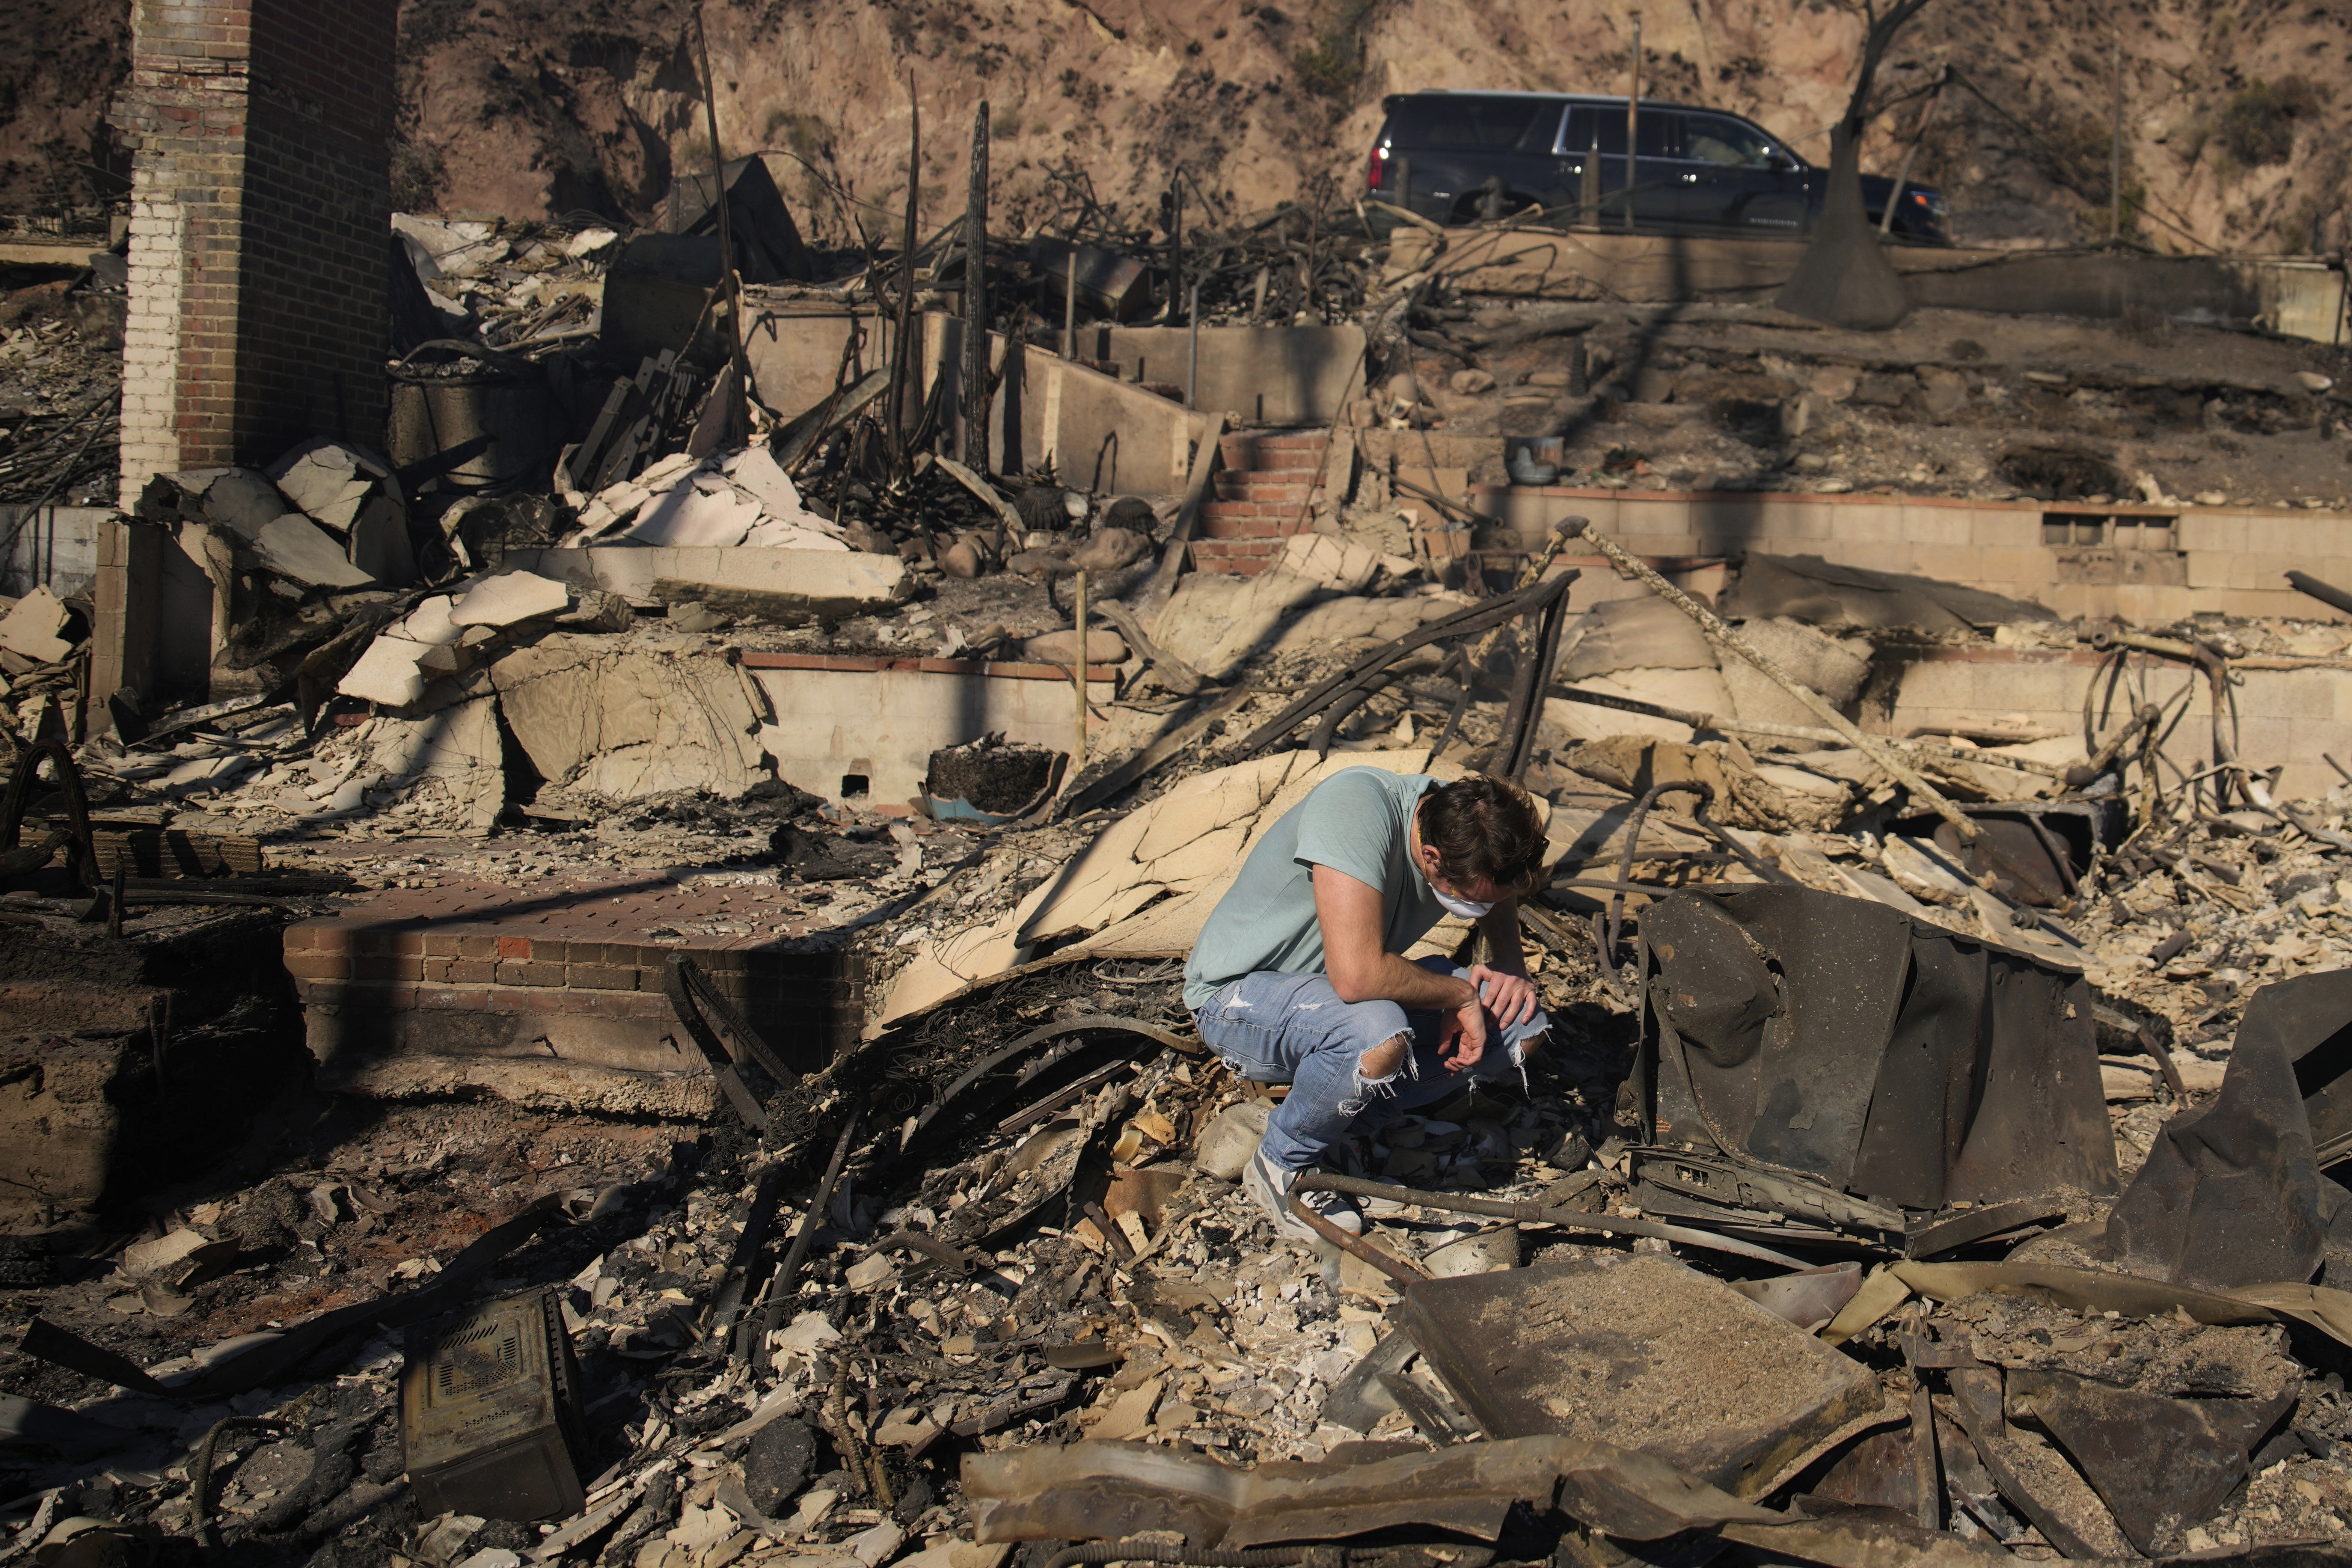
column 1472, row 382
column 1944, row 392
column 294, row 547
column 1796, row 416
column 1226, row 1144
column 1039, row 563
column 962, row 560
column 1103, row 646
column 31, row 630
column 1836, row 385
column 2311, row 381
column 1109, row 550
column 629, row 722
column 1652, row 385
column 1403, row 390
column 776, row 1464
column 511, row 596
column 388, row 673
column 2212, row 498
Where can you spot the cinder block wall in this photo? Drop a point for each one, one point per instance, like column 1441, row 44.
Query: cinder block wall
column 260, row 207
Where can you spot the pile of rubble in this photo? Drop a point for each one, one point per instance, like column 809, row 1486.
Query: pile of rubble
column 1884, row 1192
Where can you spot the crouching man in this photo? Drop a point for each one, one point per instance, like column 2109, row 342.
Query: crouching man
column 1298, row 976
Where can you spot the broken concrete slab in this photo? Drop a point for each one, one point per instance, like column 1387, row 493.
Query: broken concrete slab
column 387, row 674
column 628, row 722
column 294, row 547
column 508, row 597
column 1663, row 1359
column 242, row 501
column 33, row 625
column 791, row 587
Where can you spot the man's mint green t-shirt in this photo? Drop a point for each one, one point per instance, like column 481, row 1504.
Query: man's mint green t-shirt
column 1358, row 822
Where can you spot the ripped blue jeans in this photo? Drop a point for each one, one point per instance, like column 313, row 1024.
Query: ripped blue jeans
column 1293, row 1029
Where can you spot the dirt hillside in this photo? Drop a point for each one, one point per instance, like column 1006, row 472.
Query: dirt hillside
column 2234, row 115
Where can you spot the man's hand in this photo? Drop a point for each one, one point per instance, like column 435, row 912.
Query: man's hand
column 1511, row 998
column 1462, row 1037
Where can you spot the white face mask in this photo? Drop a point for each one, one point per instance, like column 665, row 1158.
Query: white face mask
column 1467, row 909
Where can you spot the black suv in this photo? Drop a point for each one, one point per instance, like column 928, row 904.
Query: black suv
column 1458, row 156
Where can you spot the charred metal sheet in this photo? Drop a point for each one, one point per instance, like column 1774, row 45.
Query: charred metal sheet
column 1646, row 1352
column 1358, row 1400
column 1808, row 1298
column 2256, row 1149
column 2035, row 849
column 1837, row 1064
column 2160, row 1465
column 1088, row 1491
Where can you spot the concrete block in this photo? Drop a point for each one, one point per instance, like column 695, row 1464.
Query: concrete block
column 2199, row 529
column 2307, row 694
column 1938, row 525
column 785, row 585
column 1865, row 524
column 1952, row 562
column 2209, row 569
column 2009, row 527
column 2014, row 570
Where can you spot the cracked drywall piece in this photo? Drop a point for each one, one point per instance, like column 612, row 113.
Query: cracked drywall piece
column 630, row 723
column 379, row 542
column 295, row 547
column 31, row 629
column 430, row 622
column 688, row 516
column 509, row 597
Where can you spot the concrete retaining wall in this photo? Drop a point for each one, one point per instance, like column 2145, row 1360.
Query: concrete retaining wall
column 881, row 719
column 2144, row 564
column 1266, row 375
column 2290, row 295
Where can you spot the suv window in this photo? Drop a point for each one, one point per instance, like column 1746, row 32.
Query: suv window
column 1660, row 134
column 1719, row 139
column 1485, row 124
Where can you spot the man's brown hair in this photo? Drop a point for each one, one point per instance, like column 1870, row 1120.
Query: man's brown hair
column 1484, row 829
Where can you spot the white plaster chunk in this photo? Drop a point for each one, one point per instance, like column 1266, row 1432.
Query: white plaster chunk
column 688, row 516
column 293, row 546
column 511, row 596
column 387, row 673
column 31, row 629
column 771, row 534
column 430, row 622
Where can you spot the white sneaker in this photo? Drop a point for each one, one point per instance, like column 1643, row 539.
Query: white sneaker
column 1269, row 1185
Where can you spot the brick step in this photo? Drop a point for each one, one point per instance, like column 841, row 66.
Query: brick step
column 1235, row 557
column 1249, row 528
column 1291, row 486
column 1251, row 458
column 1230, row 510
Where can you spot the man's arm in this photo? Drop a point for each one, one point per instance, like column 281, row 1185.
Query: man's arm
column 1510, row 995
column 1357, row 960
